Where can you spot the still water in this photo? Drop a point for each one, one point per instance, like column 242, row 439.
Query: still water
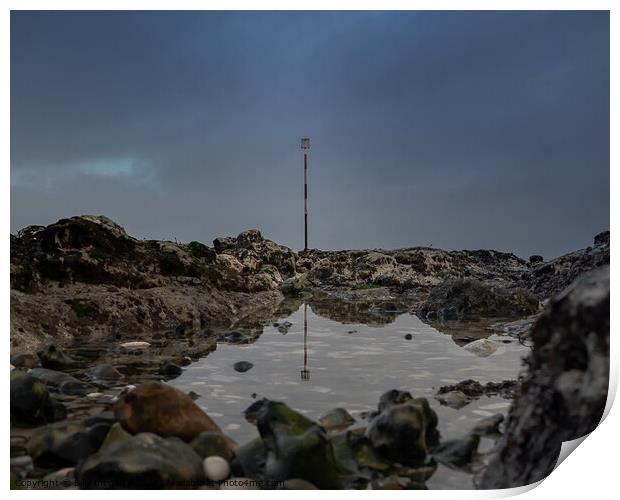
column 331, row 364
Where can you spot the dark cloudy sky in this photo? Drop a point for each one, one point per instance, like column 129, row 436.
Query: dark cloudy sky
column 460, row 130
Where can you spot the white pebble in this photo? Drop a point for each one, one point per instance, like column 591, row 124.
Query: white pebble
column 216, row 468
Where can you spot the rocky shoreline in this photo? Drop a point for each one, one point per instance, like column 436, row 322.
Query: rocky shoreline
column 99, row 319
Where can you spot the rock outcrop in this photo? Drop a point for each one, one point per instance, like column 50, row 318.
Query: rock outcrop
column 564, row 393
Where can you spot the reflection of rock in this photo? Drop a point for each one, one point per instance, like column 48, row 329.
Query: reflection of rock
column 565, row 389
column 473, row 389
column 344, row 311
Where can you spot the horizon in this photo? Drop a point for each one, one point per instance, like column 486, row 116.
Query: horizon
column 456, row 130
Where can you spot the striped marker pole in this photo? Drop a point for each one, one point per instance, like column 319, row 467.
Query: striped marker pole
column 305, row 146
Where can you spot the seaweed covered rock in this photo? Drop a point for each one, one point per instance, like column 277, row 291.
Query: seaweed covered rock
column 296, row 447
column 406, row 432
column 145, row 461
column 564, row 393
column 31, row 402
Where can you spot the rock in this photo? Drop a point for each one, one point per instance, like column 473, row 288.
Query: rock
column 21, row 466
column 24, row 360
column 459, row 452
column 535, row 259
column 602, row 238
column 208, row 444
column 565, row 390
column 489, row 425
column 135, row 346
column 393, row 398
column 298, row 484
column 30, row 401
column 405, row 432
column 453, row 399
column 145, row 461
column 62, row 382
column 336, row 420
column 481, row 347
column 408, row 336
column 105, row 373
column 474, row 389
column 216, row 468
column 64, row 444
column 296, row 447
column 468, row 298
column 62, row 479
column 161, row 409
column 170, row 370
column 242, row 366
column 54, row 359
column 116, row 434
column 250, row 459
column 193, row 395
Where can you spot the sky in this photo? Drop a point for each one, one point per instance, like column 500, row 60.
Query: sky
column 460, row 130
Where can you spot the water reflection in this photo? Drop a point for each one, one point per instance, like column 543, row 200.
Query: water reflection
column 305, row 373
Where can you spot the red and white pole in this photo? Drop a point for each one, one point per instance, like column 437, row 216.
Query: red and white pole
column 305, row 145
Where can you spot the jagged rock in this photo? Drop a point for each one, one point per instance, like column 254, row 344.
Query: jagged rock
column 405, row 432
column 565, row 389
column 473, row 389
column 161, row 409
column 145, row 461
column 64, row 444
column 31, row 401
column 393, row 398
column 296, row 447
column 535, row 259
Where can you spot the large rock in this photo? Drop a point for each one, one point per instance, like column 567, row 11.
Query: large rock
column 66, row 443
column 565, row 390
column 31, row 402
column 255, row 252
column 296, row 447
column 405, row 432
column 145, row 461
column 62, row 382
column 164, row 410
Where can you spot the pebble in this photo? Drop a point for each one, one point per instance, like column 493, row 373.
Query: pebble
column 408, row 336
column 216, row 468
column 135, row 345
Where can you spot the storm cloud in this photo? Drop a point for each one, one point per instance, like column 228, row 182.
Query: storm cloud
column 451, row 129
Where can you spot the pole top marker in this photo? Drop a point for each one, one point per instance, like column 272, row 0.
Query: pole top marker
column 305, row 143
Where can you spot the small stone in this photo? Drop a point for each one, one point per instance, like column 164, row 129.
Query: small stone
column 216, row 468
column 193, row 395
column 482, row 347
column 135, row 345
column 408, row 336
column 242, row 366
column 170, row 370
column 453, row 399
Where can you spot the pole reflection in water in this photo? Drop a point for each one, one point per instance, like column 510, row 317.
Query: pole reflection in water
column 305, row 373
